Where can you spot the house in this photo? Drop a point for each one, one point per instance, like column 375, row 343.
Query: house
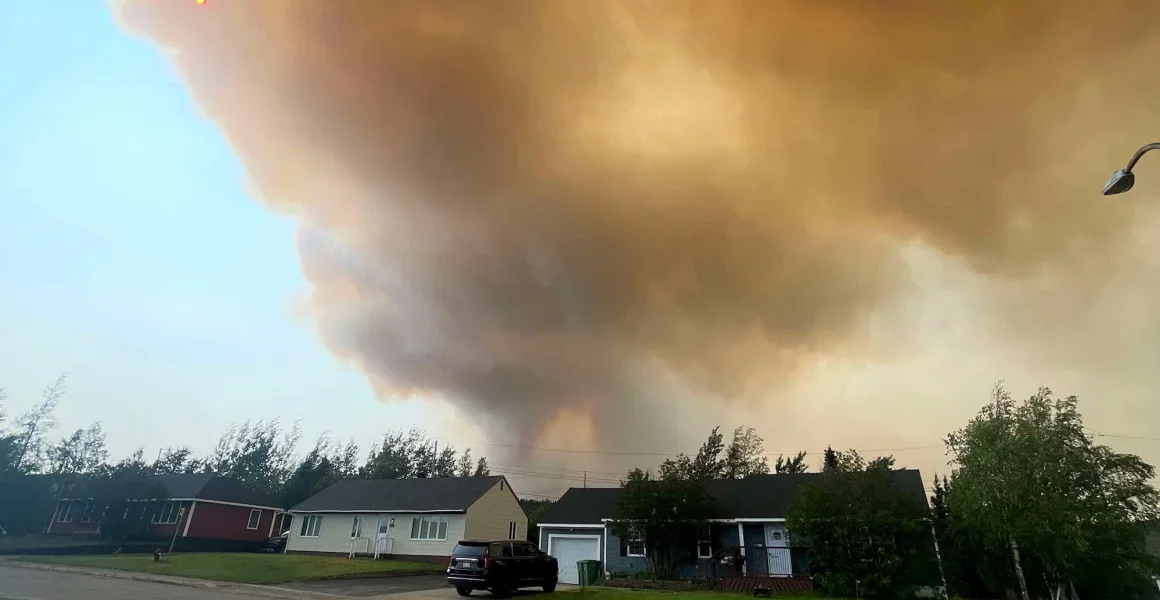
column 417, row 519
column 746, row 538
column 197, row 506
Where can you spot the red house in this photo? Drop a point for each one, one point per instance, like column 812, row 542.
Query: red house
column 200, row 505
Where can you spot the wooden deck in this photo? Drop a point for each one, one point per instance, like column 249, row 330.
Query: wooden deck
column 744, row 583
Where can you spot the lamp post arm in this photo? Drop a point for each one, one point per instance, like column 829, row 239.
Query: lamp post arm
column 1139, row 153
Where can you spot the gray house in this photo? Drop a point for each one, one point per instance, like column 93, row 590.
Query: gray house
column 746, row 539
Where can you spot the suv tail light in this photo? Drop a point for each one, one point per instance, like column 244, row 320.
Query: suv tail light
column 450, row 561
column 487, row 562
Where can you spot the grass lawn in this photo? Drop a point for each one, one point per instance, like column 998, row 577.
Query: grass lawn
column 624, row 594
column 239, row 568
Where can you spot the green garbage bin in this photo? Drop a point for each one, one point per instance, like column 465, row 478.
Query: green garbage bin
column 589, row 571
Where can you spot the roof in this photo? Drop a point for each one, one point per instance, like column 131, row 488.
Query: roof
column 443, row 494
column 755, row 497
column 191, row 486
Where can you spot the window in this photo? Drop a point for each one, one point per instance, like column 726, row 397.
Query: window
column 88, row 512
column 704, row 543
column 429, row 528
column 512, row 530
column 166, row 514
column 500, row 550
column 255, row 518
column 311, row 525
column 64, row 512
column 635, row 544
column 356, row 526
column 523, row 549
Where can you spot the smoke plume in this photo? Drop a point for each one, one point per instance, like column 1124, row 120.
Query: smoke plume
column 528, row 207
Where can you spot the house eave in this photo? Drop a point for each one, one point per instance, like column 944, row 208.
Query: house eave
column 378, row 510
column 738, row 520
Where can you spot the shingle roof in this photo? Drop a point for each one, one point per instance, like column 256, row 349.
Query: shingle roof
column 192, row 486
column 582, row 506
column 758, row 496
column 450, row 494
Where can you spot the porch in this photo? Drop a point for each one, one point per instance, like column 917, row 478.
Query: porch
column 775, row 568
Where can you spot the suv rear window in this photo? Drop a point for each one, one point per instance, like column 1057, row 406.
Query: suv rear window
column 469, row 550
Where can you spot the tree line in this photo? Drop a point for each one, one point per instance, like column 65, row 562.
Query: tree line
column 263, row 455
column 1031, row 506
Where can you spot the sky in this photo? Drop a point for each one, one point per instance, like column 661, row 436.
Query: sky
column 134, row 261
column 140, row 257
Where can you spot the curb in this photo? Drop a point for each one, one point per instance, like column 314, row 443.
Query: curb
column 258, row 590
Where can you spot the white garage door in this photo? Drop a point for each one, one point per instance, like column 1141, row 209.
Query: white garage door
column 570, row 550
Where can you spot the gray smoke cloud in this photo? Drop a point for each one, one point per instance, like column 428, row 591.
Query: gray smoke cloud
column 524, row 207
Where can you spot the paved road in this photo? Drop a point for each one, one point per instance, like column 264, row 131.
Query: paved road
column 363, row 588
column 30, row 584
column 35, row 584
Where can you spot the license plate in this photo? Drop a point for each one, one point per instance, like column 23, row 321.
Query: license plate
column 463, row 564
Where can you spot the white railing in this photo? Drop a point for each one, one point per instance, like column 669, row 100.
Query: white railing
column 384, row 547
column 359, row 545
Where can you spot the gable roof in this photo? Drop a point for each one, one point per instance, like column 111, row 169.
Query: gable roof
column 443, row 494
column 755, row 497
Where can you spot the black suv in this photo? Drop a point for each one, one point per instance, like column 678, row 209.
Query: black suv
column 501, row 566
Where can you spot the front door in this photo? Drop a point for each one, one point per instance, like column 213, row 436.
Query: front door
column 382, row 532
column 777, row 550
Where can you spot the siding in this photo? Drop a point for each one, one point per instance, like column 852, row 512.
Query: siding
column 226, row 522
column 489, row 517
column 334, row 534
column 723, row 535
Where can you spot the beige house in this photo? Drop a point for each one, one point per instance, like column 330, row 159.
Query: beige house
column 406, row 518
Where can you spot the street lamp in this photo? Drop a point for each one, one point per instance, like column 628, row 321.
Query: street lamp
column 1123, row 180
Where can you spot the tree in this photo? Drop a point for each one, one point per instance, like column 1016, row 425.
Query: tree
column 829, row 459
column 446, row 462
column 536, row 510
column 392, row 459
column 82, row 453
column 32, row 427
column 481, row 468
column 317, row 471
column 465, row 467
column 8, row 441
column 707, row 464
column 797, row 464
column 661, row 515
column 865, row 535
column 259, row 454
column 1027, row 479
column 745, row 455
column 175, row 460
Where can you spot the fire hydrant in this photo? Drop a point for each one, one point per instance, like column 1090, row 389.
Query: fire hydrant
column 157, row 555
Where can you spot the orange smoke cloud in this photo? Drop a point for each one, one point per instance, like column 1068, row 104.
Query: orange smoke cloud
column 522, row 206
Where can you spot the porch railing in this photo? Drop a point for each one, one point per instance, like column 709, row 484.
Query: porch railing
column 384, row 547
column 359, row 545
column 760, row 561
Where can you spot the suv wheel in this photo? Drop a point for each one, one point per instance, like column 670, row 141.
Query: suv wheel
column 550, row 586
column 463, row 590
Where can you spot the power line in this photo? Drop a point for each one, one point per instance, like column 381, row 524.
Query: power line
column 767, row 454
